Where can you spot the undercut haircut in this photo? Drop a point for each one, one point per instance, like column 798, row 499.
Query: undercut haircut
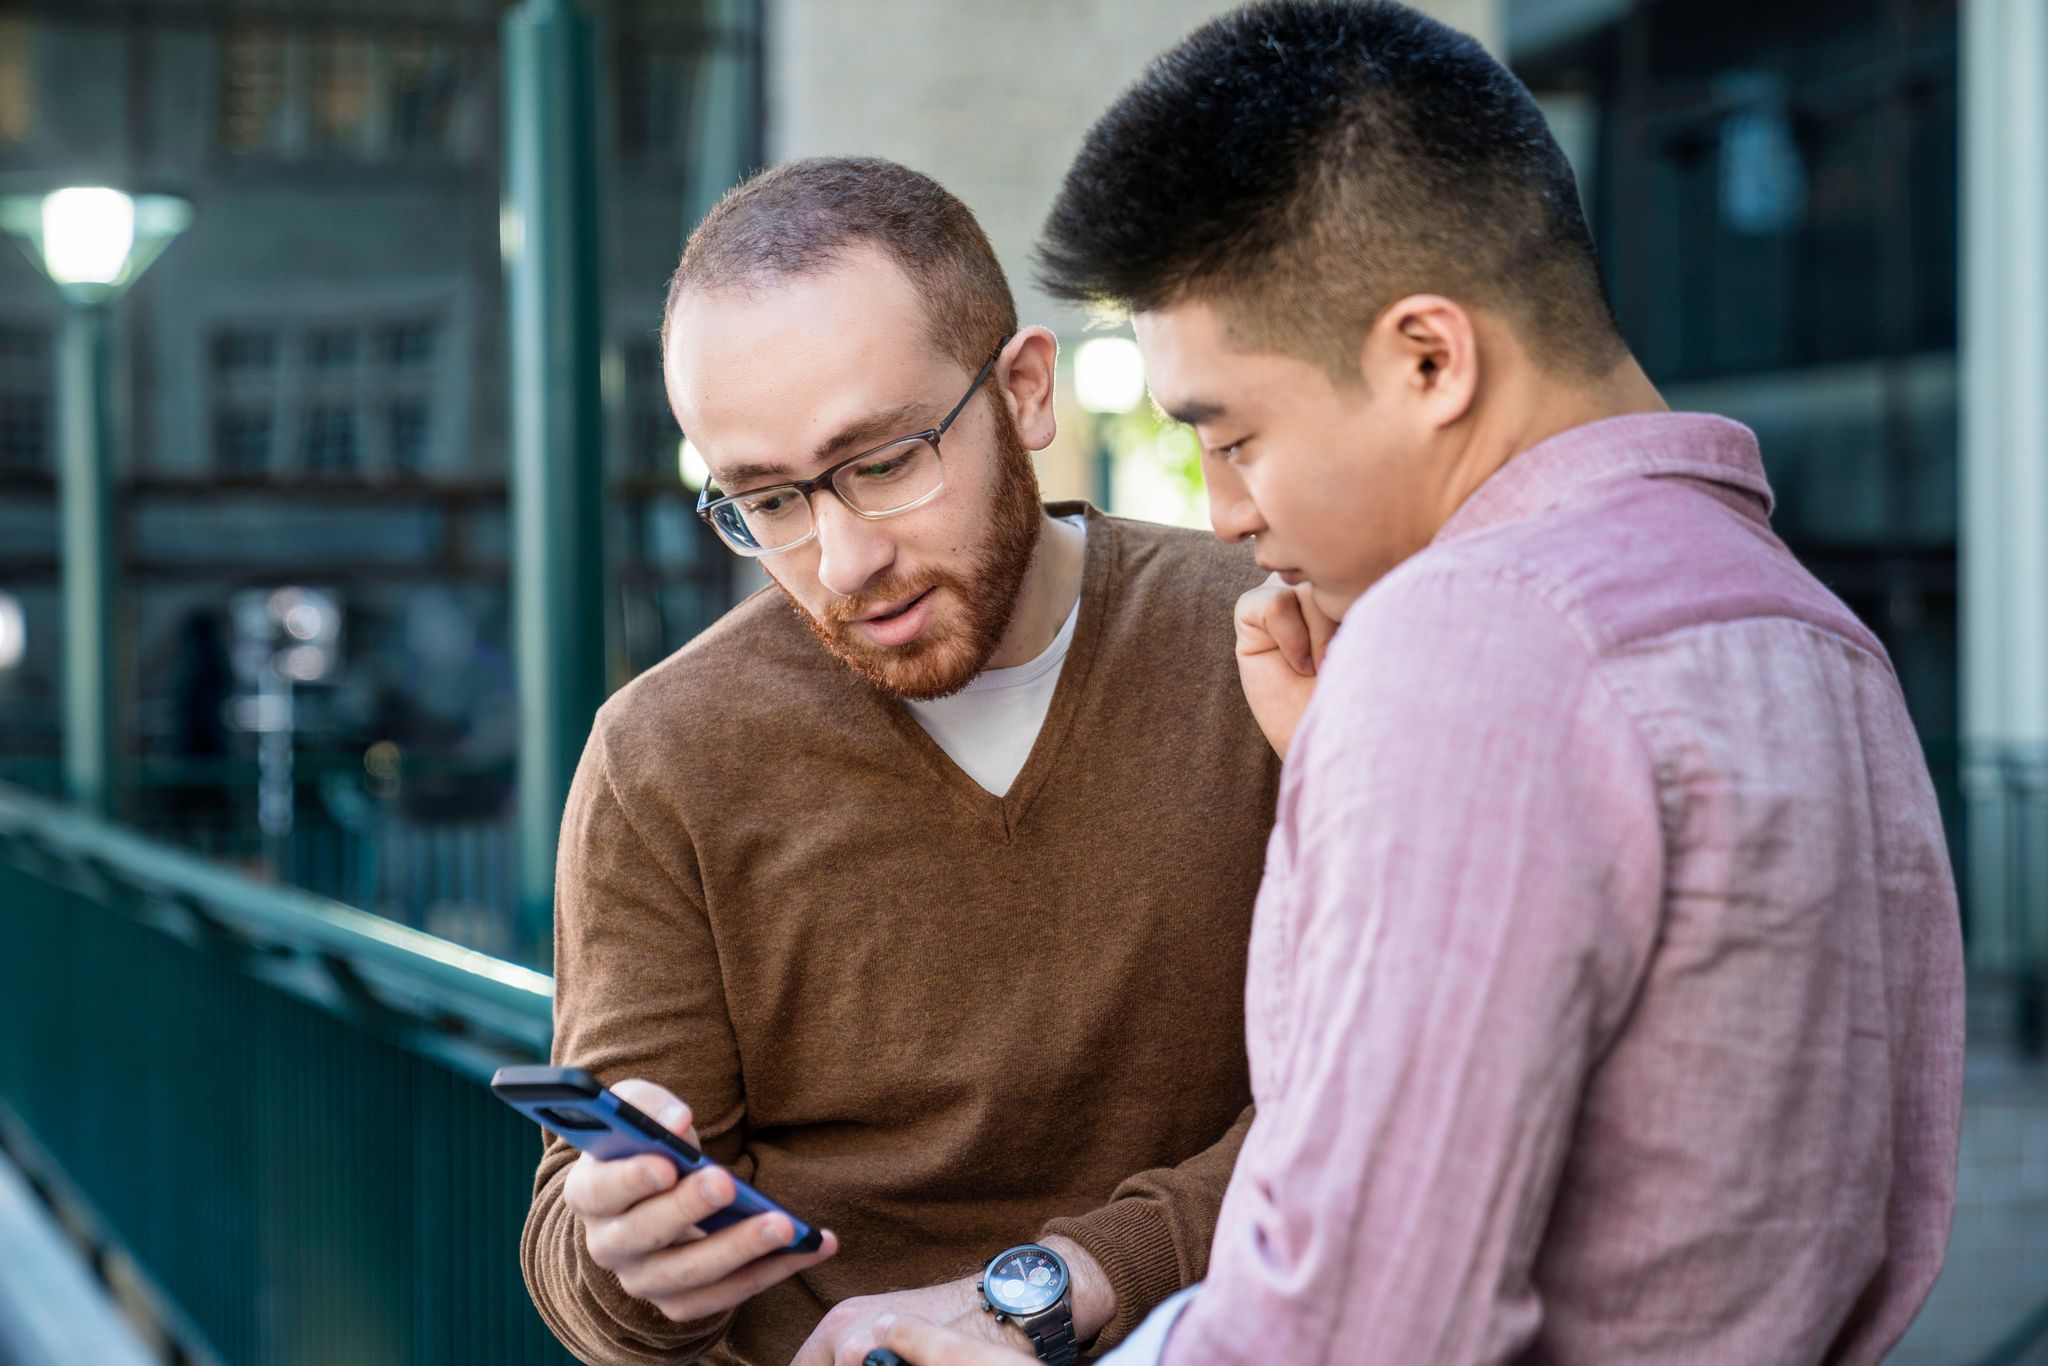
column 801, row 218
column 1302, row 164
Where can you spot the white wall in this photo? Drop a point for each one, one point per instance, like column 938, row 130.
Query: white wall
column 991, row 99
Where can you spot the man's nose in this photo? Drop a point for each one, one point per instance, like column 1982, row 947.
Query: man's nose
column 1232, row 513
column 852, row 551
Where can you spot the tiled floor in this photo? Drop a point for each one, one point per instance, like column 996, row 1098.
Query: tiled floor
column 1997, row 1273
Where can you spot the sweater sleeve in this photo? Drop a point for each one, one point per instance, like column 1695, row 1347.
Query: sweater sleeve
column 637, row 994
column 1152, row 1237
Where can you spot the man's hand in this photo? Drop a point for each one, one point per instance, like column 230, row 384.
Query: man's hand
column 1282, row 637
column 926, row 1344
column 847, row 1334
column 640, row 1224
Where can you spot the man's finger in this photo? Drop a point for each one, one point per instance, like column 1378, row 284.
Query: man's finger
column 597, row 1189
column 749, row 1281
column 1320, row 627
column 663, row 1272
column 1287, row 623
column 927, row 1344
column 660, row 1104
column 654, row 1224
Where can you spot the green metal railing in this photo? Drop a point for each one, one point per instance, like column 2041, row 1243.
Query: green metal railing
column 273, row 1102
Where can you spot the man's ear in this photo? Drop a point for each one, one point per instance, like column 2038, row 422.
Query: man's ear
column 1425, row 346
column 1025, row 374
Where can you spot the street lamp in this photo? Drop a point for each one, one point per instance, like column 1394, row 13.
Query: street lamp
column 93, row 242
column 1109, row 380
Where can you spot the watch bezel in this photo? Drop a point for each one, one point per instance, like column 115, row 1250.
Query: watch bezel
column 1066, row 1281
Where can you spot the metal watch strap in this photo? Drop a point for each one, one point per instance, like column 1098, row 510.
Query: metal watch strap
column 1052, row 1334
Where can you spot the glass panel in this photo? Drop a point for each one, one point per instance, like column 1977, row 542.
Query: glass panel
column 892, row 478
column 408, row 345
column 252, row 89
column 341, row 92
column 409, row 430
column 241, row 440
column 244, row 353
column 24, row 433
column 17, row 83
column 427, row 84
column 331, row 349
column 331, row 445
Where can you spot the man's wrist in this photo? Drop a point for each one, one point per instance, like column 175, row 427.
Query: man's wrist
column 1092, row 1298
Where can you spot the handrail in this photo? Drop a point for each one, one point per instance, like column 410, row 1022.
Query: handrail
column 470, row 1009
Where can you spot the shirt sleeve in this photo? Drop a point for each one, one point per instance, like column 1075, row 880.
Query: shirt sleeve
column 1472, row 857
column 618, row 909
column 1152, row 1237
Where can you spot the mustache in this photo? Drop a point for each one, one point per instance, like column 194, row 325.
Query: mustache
column 889, row 591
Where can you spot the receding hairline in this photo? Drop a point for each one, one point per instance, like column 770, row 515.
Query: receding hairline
column 808, row 217
column 767, row 278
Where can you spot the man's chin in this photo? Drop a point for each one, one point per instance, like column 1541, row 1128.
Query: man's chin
column 922, row 671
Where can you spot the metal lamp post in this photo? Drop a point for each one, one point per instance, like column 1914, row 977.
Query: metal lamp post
column 93, row 243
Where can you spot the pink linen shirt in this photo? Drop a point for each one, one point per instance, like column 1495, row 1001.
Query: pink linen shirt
column 1605, row 998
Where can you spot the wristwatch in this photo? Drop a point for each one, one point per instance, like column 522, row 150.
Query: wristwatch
column 1028, row 1285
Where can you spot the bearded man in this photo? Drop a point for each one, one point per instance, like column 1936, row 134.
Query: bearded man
column 915, row 891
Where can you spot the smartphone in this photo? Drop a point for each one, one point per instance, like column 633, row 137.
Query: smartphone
column 569, row 1102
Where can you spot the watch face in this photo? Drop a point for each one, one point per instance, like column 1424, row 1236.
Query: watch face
column 1024, row 1280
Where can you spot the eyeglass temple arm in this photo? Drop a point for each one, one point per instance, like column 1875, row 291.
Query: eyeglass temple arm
column 975, row 387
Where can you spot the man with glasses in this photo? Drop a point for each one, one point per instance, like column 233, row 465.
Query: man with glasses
column 917, row 889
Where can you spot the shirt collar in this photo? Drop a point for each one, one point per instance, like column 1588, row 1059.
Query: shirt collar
column 1702, row 446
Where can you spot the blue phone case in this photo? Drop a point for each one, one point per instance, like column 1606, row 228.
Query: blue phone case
column 568, row 1102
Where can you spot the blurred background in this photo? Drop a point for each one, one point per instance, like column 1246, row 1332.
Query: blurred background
column 337, row 488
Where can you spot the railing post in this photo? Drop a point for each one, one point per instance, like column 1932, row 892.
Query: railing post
column 552, row 277
column 86, row 493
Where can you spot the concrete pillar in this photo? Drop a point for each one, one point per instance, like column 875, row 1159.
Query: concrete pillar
column 2004, row 542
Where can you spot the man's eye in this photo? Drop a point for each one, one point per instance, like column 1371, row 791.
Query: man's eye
column 882, row 469
column 768, row 505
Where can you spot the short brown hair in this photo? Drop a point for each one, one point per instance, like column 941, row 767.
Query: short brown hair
column 799, row 218
column 1303, row 164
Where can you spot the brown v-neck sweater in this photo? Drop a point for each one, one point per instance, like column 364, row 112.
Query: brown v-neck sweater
column 936, row 1021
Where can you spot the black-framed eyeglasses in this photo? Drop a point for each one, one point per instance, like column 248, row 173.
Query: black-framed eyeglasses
column 881, row 482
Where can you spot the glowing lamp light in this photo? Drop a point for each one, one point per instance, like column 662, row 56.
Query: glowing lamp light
column 91, row 240
column 87, row 235
column 1109, row 375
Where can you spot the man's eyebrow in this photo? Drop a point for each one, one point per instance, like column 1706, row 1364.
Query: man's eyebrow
column 1195, row 411
column 870, row 430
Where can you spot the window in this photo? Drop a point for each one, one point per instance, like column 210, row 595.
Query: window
column 330, row 445
column 330, row 400
column 338, row 91
column 655, row 86
column 411, row 423
column 17, row 83
column 343, row 92
column 252, row 94
column 241, row 440
column 427, row 81
column 26, row 376
column 652, row 441
column 245, row 391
